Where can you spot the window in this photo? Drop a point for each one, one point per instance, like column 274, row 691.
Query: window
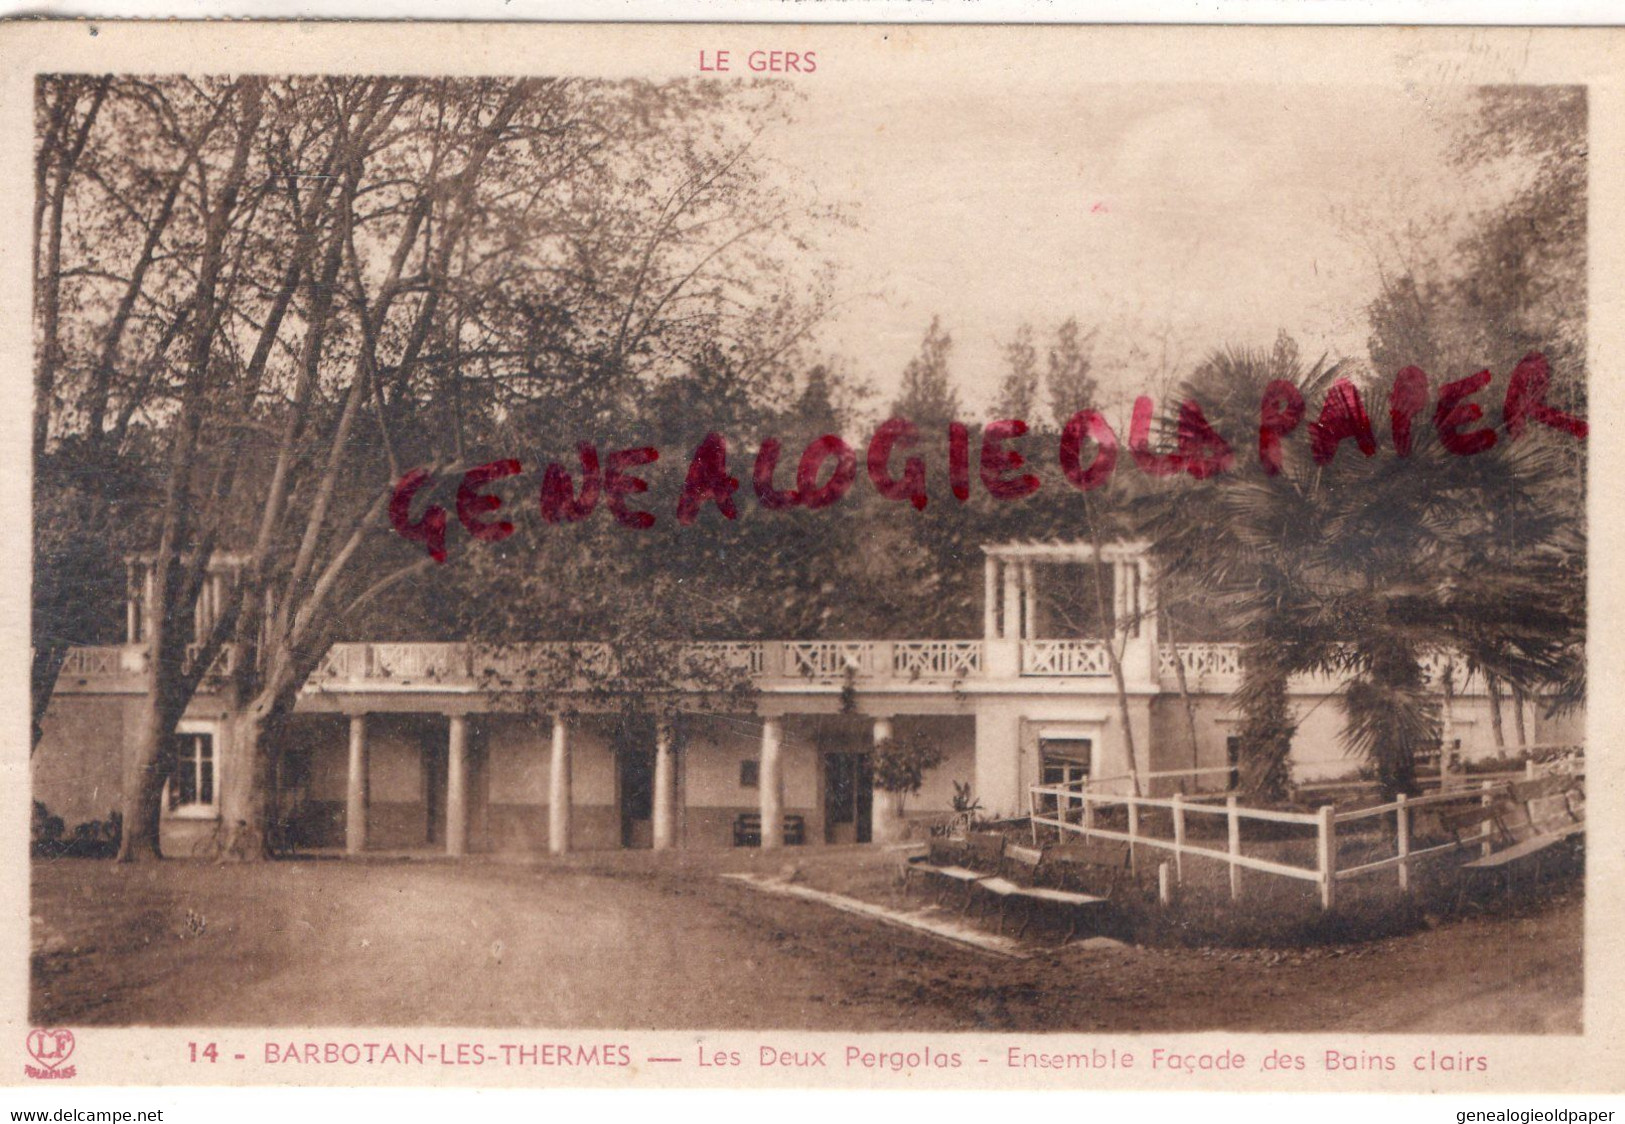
column 750, row 774
column 192, row 787
column 1063, row 761
column 1431, row 758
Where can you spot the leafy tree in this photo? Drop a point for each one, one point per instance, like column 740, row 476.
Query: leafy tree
column 928, row 397
column 1360, row 566
column 357, row 277
column 1018, row 393
column 1068, row 378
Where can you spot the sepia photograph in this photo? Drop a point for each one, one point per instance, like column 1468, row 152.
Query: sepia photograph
column 769, row 544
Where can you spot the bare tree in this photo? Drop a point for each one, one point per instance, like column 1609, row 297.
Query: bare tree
column 365, row 276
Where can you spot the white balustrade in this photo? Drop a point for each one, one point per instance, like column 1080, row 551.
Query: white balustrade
column 1065, row 657
column 90, row 663
column 1202, row 661
column 418, row 661
column 829, row 659
column 937, row 659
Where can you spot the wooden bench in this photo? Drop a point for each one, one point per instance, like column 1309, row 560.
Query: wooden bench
column 959, row 862
column 748, row 830
column 1535, row 816
column 1082, row 865
column 1483, row 819
column 1045, row 876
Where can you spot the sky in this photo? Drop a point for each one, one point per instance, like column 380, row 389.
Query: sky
column 1182, row 217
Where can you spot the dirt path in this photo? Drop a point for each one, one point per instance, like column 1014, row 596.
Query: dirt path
column 659, row 946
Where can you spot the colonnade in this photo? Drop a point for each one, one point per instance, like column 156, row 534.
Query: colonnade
column 770, row 784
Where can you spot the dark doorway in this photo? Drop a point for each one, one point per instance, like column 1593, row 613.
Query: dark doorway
column 635, row 769
column 434, row 794
column 849, row 796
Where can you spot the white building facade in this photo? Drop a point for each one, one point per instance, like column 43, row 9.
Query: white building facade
column 414, row 746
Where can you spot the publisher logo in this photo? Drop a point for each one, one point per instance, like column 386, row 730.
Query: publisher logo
column 52, row 1049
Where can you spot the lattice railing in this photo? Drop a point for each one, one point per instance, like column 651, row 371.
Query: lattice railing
column 418, row 661
column 1202, row 661
column 829, row 659
column 91, row 663
column 1065, row 657
column 937, row 659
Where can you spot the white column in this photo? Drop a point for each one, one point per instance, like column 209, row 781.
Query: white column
column 558, row 794
column 355, row 789
column 200, row 614
column 457, row 787
column 990, row 598
column 132, row 609
column 885, row 818
column 149, row 601
column 1029, row 592
column 1012, row 602
column 665, row 794
column 770, row 782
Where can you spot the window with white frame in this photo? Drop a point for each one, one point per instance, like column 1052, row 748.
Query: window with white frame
column 1063, row 761
column 194, row 786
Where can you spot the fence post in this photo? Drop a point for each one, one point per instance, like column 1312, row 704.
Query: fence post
column 1133, row 833
column 1088, row 814
column 1402, row 826
column 1235, row 847
column 1032, row 815
column 1165, row 893
column 1488, row 832
column 1328, row 855
column 1179, row 837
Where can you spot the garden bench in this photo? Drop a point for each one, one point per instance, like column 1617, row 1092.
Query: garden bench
column 1025, row 873
column 748, row 830
column 962, row 862
column 1536, row 817
column 1454, row 822
column 1077, row 863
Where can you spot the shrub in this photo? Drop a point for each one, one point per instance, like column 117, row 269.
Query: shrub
column 900, row 763
column 93, row 839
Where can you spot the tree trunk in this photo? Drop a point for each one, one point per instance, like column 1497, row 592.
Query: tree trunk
column 1517, row 715
column 1397, row 673
column 1102, row 576
column 148, row 768
column 248, row 796
column 1266, row 729
column 1447, row 726
column 44, row 669
column 1186, row 701
column 1493, row 683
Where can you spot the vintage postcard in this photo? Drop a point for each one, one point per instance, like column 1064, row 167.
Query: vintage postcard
column 845, row 556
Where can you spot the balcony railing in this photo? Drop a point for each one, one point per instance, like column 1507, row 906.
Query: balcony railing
column 1204, row 664
column 93, row 663
column 1217, row 667
column 937, row 659
column 1209, row 668
column 1086, row 658
column 114, row 663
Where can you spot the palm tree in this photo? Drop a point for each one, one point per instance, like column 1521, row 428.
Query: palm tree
column 1362, row 567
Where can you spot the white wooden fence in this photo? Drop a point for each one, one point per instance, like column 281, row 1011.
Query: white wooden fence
column 1072, row 809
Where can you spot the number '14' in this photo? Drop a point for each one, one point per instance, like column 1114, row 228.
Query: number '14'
column 207, row 1053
